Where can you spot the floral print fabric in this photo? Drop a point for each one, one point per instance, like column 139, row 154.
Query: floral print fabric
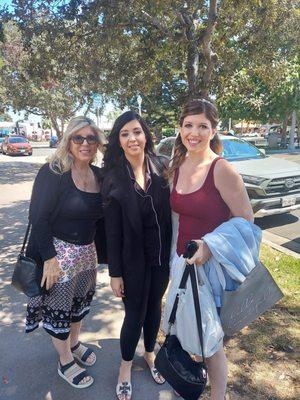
column 70, row 298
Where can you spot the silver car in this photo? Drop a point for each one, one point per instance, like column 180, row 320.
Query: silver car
column 273, row 184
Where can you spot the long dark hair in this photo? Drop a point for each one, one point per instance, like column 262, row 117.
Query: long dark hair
column 195, row 107
column 114, row 152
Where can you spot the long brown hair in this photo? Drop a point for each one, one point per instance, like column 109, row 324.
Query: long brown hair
column 194, row 107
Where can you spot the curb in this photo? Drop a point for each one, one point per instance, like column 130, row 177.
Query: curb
column 277, row 242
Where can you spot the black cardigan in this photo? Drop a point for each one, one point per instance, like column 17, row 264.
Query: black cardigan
column 48, row 193
column 124, row 230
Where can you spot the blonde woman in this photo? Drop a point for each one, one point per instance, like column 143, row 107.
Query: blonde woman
column 66, row 216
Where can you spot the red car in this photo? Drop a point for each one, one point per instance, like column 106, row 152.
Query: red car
column 16, row 145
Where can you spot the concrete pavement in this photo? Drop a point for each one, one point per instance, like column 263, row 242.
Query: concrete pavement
column 28, row 362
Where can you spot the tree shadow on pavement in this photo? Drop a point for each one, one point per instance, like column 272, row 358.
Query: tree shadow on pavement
column 272, row 221
column 28, row 362
column 17, row 172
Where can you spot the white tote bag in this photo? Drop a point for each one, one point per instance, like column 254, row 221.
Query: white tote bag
column 185, row 326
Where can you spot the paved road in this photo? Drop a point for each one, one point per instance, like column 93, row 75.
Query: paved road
column 287, row 226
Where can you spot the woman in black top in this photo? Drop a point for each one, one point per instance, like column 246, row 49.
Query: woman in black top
column 66, row 213
column 138, row 230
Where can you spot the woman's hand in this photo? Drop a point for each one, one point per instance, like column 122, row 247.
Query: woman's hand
column 202, row 254
column 51, row 273
column 117, row 285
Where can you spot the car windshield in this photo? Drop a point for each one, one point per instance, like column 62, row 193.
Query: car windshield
column 17, row 140
column 234, row 150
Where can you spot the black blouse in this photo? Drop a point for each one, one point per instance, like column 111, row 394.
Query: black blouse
column 151, row 229
column 77, row 217
column 59, row 209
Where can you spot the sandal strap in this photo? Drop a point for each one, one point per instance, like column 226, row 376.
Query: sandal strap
column 86, row 354
column 76, row 346
column 124, row 388
column 78, row 378
column 63, row 368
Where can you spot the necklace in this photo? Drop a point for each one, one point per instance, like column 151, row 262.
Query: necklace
column 81, row 181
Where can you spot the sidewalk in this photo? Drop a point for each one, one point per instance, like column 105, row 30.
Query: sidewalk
column 28, row 362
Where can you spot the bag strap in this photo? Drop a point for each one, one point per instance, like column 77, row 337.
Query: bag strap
column 182, row 285
column 190, row 271
column 197, row 307
column 25, row 238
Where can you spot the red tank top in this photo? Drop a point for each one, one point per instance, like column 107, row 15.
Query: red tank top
column 200, row 212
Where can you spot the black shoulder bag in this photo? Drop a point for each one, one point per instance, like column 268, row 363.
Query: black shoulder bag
column 186, row 376
column 27, row 274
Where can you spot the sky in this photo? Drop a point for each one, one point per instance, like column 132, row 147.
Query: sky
column 5, row 2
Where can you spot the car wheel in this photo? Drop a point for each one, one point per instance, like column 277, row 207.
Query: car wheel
column 30, row 154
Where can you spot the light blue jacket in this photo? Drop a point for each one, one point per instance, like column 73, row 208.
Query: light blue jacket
column 235, row 252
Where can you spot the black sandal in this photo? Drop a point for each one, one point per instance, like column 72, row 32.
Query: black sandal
column 71, row 377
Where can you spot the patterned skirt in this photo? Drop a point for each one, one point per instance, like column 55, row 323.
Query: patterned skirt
column 69, row 299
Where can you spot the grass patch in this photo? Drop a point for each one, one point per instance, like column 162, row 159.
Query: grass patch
column 286, row 272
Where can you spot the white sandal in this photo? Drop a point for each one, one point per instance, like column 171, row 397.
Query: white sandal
column 73, row 374
column 81, row 353
column 124, row 391
column 157, row 377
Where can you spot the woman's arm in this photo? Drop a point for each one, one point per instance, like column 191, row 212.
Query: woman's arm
column 114, row 239
column 232, row 190
column 42, row 205
column 113, row 228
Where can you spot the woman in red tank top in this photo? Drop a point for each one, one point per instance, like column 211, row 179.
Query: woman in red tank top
column 207, row 191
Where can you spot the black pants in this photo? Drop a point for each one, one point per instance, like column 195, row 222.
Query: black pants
column 147, row 316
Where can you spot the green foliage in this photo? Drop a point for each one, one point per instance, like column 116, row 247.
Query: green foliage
column 259, row 59
column 5, row 117
column 57, row 56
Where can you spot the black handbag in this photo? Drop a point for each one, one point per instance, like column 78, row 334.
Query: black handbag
column 186, row 376
column 27, row 274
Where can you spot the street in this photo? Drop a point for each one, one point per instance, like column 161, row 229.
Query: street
column 285, row 227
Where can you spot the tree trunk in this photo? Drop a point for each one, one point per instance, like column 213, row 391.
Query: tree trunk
column 62, row 123
column 283, row 134
column 192, row 54
column 292, row 132
column 210, row 57
column 56, row 126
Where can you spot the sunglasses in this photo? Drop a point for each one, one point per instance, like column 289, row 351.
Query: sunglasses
column 78, row 139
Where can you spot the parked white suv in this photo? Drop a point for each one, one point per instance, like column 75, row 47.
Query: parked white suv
column 273, row 184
